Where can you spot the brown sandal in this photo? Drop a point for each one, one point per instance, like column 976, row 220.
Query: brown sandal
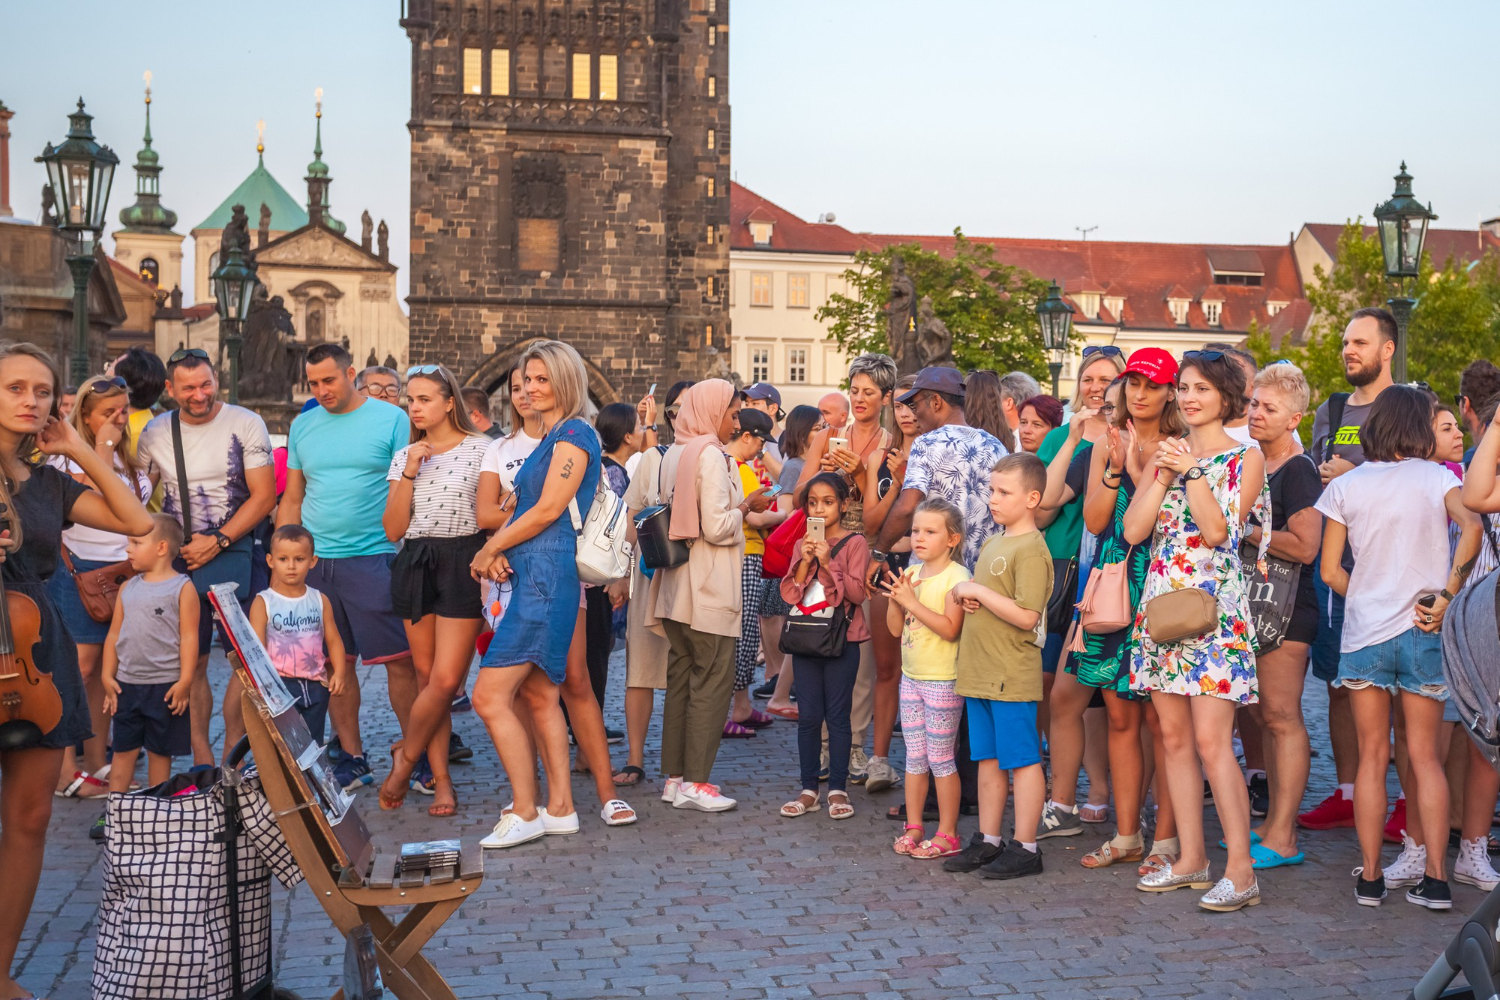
column 1108, row 855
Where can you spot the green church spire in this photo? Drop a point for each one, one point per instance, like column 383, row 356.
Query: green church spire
column 147, row 214
column 317, row 178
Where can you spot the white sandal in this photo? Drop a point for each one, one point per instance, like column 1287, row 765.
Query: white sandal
column 612, row 810
column 797, row 807
column 840, row 810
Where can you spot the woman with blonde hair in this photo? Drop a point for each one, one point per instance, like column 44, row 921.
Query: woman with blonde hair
column 38, row 500
column 431, row 504
column 100, row 415
column 535, row 550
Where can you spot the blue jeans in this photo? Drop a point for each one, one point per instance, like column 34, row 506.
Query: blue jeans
column 825, row 692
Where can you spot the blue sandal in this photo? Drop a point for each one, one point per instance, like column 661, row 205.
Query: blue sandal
column 1266, row 858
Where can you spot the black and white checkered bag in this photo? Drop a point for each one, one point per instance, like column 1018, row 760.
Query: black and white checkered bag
column 164, row 912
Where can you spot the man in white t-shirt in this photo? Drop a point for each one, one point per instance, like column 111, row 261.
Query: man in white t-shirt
column 231, row 487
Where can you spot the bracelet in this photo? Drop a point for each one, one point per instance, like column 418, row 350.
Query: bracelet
column 405, row 476
column 1445, row 595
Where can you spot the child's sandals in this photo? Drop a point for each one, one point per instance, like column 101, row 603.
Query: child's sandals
column 905, row 844
column 801, row 807
column 1109, row 854
column 927, row 850
column 839, row 808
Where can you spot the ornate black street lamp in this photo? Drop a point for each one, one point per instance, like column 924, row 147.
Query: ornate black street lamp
column 1403, row 228
column 234, row 285
column 80, row 173
column 1056, row 318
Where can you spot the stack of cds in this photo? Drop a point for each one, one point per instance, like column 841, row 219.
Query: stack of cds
column 425, row 855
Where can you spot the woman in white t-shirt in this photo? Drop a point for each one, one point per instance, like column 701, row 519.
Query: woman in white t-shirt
column 434, row 481
column 1395, row 597
column 100, row 414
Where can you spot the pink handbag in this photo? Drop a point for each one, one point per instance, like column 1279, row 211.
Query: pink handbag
column 1106, row 603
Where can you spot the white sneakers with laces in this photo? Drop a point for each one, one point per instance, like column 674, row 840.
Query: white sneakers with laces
column 669, row 790
column 512, row 830
column 702, row 796
column 1410, row 866
column 1473, row 865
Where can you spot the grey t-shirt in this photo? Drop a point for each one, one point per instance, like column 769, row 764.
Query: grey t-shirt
column 150, row 631
column 1343, row 440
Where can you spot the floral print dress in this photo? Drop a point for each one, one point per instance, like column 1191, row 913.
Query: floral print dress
column 1221, row 662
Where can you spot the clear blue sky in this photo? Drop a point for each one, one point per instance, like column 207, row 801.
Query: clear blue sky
column 1181, row 121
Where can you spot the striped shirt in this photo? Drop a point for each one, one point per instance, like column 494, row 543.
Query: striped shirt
column 442, row 501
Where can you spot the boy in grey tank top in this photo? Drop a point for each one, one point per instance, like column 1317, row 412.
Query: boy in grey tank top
column 149, row 658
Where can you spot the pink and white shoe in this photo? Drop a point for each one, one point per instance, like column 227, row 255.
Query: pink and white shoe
column 702, row 796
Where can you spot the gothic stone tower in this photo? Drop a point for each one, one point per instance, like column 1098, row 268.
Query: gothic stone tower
column 570, row 180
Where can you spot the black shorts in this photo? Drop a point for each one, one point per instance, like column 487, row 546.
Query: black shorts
column 143, row 719
column 312, row 704
column 431, row 576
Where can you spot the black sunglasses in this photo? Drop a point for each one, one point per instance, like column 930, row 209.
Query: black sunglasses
column 183, row 353
column 1108, row 350
column 1458, row 400
column 104, row 384
column 1203, row 355
column 1420, row 385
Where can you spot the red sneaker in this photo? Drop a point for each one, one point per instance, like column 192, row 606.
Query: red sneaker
column 1396, row 825
column 1330, row 814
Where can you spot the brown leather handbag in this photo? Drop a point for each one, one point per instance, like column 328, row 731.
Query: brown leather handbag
column 97, row 587
column 1180, row 615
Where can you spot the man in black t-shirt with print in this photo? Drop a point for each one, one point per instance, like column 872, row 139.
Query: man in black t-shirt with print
column 1369, row 345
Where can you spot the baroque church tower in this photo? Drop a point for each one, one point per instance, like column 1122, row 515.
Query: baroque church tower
column 570, row 180
column 147, row 244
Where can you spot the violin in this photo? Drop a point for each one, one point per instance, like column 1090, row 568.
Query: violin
column 30, row 706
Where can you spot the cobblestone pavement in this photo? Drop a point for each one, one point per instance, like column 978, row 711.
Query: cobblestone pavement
column 746, row 904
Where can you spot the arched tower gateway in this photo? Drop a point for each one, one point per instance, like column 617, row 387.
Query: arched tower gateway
column 570, row 179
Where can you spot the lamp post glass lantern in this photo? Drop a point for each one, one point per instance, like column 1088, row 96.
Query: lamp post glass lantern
column 1056, row 318
column 234, row 285
column 80, row 173
column 1403, row 222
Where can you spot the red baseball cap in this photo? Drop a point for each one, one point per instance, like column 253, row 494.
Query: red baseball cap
column 1154, row 363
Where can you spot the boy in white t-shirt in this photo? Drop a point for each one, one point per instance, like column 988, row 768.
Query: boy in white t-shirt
column 290, row 619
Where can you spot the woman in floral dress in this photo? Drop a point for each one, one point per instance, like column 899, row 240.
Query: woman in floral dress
column 1194, row 510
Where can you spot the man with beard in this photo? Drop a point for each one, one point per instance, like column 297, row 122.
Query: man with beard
column 231, row 487
column 1369, row 345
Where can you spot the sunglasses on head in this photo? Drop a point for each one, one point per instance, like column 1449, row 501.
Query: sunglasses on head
column 1202, row 355
column 423, row 370
column 1420, row 385
column 1108, row 350
column 104, row 384
column 183, row 353
column 1280, row 361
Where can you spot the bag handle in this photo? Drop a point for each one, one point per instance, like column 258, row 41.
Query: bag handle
column 183, row 492
column 1336, row 403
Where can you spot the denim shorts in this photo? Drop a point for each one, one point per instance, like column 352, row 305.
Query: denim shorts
column 81, row 625
column 1412, row 661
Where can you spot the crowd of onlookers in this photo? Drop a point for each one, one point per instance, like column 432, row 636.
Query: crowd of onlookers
column 1127, row 586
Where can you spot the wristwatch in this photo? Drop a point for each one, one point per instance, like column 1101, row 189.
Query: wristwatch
column 222, row 539
column 1196, row 472
column 877, row 555
column 1445, row 595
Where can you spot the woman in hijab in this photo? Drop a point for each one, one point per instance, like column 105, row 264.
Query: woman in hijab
column 697, row 604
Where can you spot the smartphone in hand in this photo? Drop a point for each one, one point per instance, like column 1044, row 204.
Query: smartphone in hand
column 815, row 529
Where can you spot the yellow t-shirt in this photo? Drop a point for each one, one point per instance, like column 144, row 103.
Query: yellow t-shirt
column 755, row 540
column 926, row 656
column 137, row 424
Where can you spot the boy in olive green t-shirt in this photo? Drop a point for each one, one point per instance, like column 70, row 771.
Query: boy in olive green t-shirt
column 1000, row 669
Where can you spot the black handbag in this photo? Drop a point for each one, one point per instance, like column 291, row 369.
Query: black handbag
column 1273, row 595
column 659, row 550
column 1064, row 594
column 817, row 628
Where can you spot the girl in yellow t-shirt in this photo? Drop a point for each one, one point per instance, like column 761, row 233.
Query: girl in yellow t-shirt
column 923, row 611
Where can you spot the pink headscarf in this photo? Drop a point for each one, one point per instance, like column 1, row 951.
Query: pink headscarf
column 696, row 427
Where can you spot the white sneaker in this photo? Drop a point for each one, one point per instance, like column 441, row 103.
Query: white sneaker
column 559, row 826
column 859, row 766
column 512, row 830
column 880, row 776
column 1473, row 865
column 669, row 790
column 1409, row 868
column 702, row 796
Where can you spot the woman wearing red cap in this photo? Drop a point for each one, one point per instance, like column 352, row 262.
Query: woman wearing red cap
column 1146, row 414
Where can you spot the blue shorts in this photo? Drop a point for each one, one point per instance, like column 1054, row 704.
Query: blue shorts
column 358, row 589
column 1004, row 732
column 312, row 704
column 64, row 592
column 143, row 719
column 1325, row 648
column 1412, row 661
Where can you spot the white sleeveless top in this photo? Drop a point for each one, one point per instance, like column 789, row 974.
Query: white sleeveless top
column 294, row 634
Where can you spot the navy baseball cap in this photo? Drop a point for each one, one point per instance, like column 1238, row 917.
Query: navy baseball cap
column 949, row 380
column 762, row 390
column 757, row 423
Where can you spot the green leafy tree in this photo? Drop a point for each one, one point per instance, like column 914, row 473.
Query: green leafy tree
column 989, row 306
column 1456, row 319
